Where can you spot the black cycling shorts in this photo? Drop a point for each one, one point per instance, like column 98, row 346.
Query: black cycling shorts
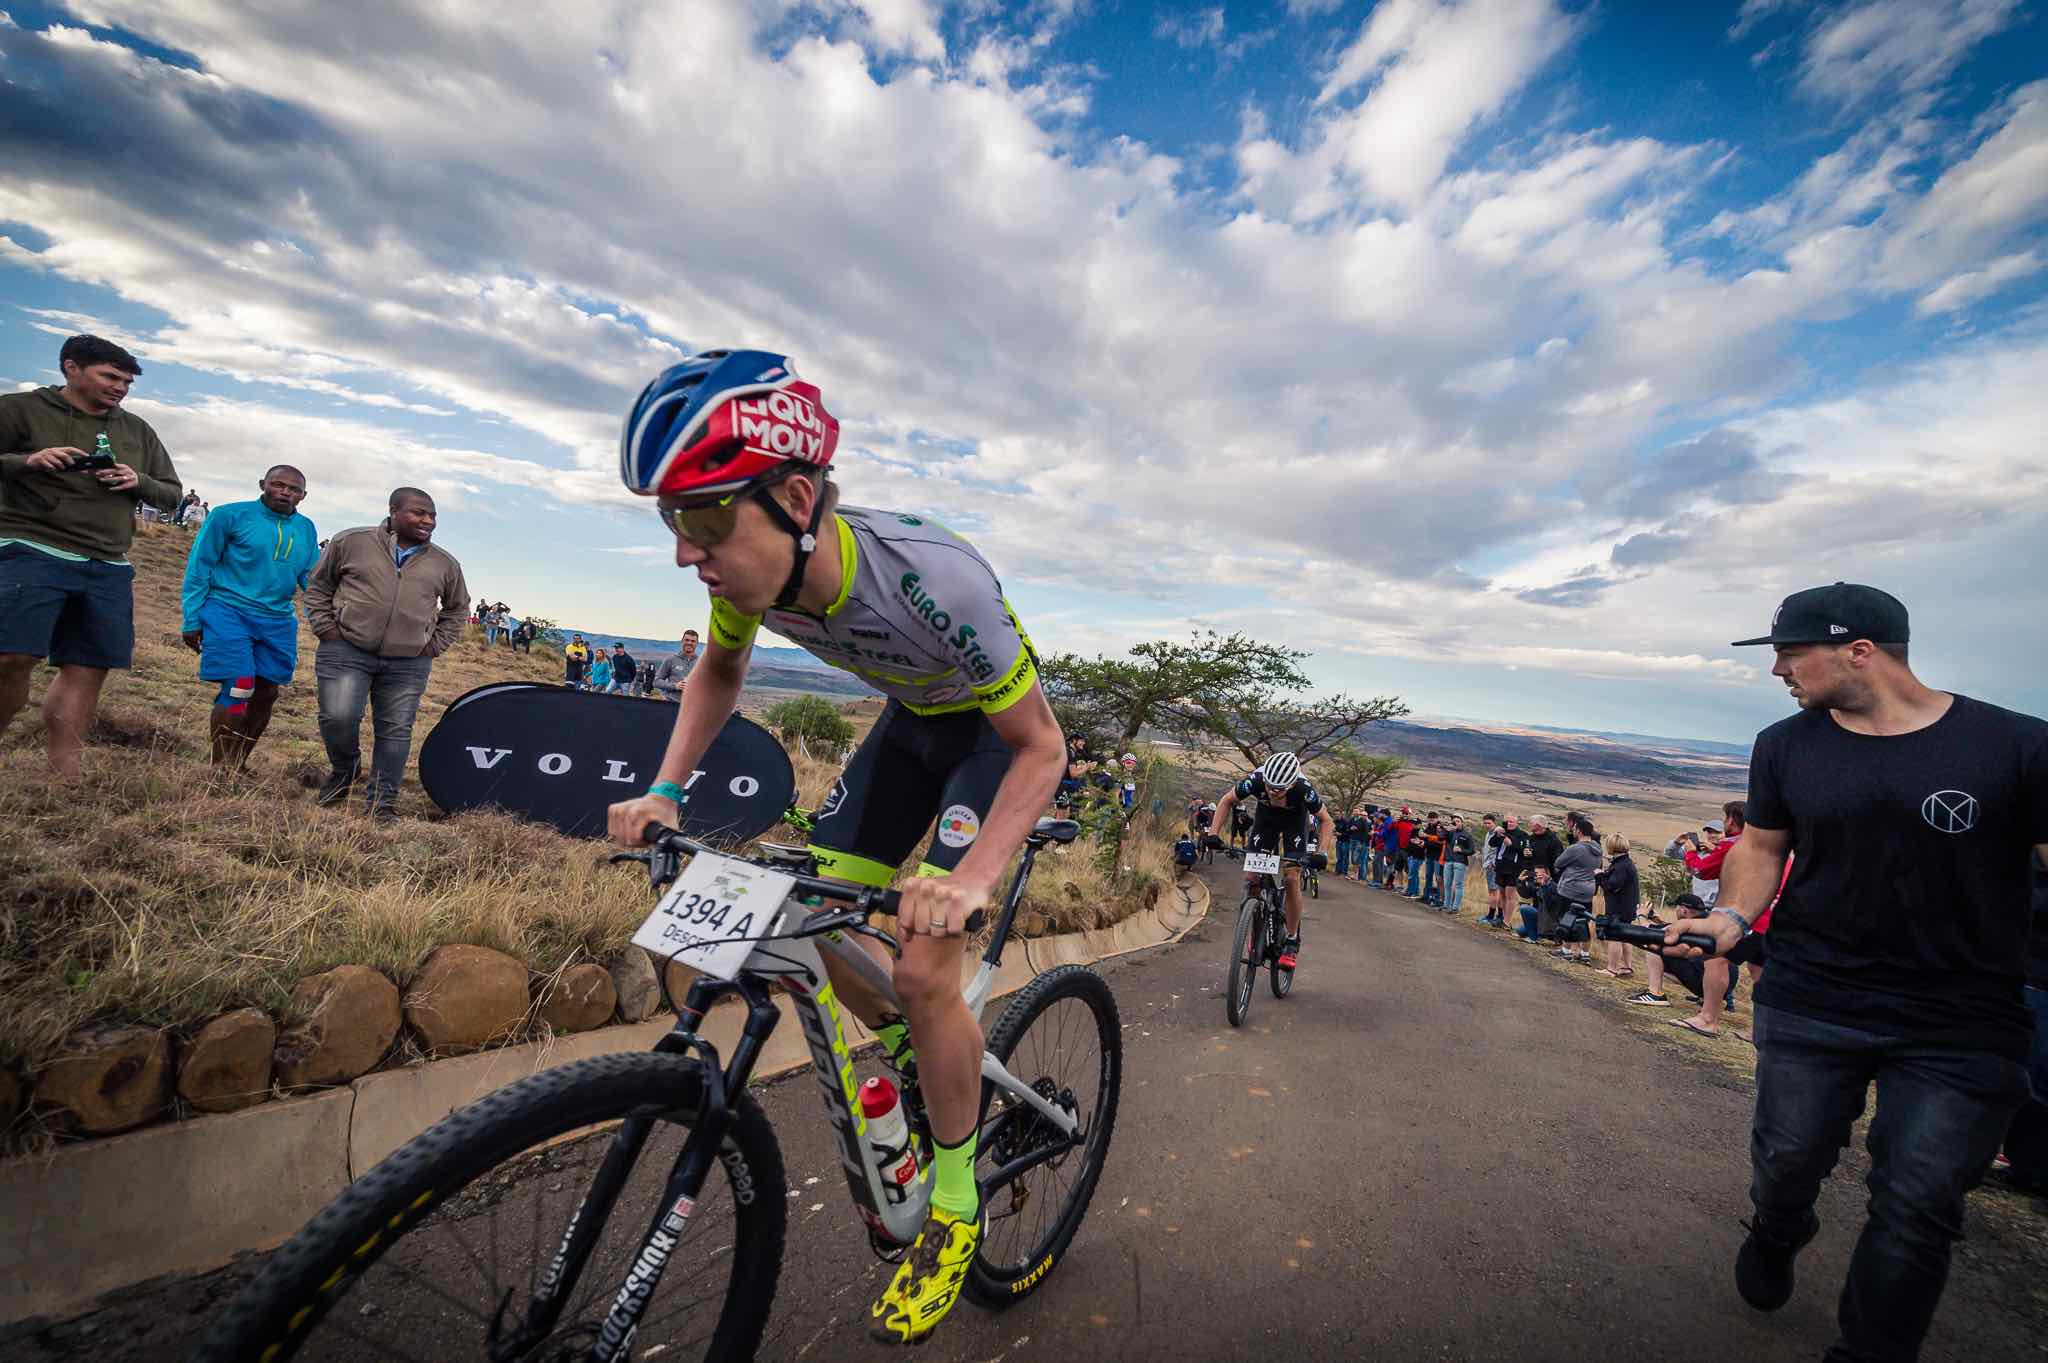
column 911, row 770
column 1278, row 830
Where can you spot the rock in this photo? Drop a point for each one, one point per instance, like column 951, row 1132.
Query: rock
column 111, row 1076
column 227, row 1066
column 638, row 986
column 466, row 997
column 677, row 977
column 582, row 998
column 349, row 1020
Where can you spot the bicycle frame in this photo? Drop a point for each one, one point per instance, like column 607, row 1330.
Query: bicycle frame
column 893, row 1214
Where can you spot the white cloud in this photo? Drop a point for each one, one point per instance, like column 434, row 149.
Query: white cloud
column 1437, row 69
column 1198, row 29
column 1895, row 47
column 1959, row 291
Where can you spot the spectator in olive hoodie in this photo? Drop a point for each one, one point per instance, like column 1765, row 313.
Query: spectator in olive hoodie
column 73, row 469
column 385, row 603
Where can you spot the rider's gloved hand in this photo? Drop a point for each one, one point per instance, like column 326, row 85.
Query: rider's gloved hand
column 1318, row 862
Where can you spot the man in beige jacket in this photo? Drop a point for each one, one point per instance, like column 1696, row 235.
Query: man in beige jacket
column 385, row 602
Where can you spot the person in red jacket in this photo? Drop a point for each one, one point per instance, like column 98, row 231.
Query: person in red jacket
column 1404, row 829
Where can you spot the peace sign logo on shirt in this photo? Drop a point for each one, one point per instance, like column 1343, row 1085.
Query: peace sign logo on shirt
column 1950, row 811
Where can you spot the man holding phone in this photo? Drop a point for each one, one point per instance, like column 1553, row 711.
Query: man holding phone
column 73, row 466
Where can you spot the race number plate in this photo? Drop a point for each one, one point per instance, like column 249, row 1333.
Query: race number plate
column 1262, row 863
column 713, row 914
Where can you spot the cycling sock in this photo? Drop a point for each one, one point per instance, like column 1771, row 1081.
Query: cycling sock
column 953, row 1177
column 895, row 1039
column 234, row 695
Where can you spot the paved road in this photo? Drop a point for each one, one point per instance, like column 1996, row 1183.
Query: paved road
column 1439, row 1148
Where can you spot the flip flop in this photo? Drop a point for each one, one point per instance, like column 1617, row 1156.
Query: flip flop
column 1689, row 1026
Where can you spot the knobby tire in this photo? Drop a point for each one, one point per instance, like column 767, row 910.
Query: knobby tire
column 1246, row 951
column 1055, row 1011
column 439, row 1180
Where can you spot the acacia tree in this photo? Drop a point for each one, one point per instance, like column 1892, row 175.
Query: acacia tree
column 1260, row 721
column 1164, row 685
column 1346, row 776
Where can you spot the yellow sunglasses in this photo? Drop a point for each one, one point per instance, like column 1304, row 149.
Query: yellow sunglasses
column 703, row 524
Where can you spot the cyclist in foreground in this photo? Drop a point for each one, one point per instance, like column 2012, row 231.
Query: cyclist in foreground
column 736, row 448
column 1282, row 803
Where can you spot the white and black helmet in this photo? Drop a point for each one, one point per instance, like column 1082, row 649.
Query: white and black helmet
column 1280, row 771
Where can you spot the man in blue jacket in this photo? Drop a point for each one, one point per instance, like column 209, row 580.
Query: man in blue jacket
column 250, row 559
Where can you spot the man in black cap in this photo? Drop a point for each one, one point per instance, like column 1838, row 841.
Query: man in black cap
column 1896, row 953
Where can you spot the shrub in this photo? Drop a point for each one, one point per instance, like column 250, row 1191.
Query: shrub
column 811, row 721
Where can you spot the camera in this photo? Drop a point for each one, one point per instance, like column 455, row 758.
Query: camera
column 97, row 462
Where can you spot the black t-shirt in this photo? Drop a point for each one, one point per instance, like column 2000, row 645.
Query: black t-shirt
column 1907, row 909
column 1514, row 846
column 1542, row 849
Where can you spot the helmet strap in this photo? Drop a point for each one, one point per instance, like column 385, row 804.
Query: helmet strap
column 806, row 540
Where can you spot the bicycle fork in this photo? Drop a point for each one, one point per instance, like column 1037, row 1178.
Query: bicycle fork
column 708, row 1130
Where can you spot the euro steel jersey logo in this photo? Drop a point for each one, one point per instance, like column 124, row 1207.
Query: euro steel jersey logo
column 786, row 423
column 973, row 657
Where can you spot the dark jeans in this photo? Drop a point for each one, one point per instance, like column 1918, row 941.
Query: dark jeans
column 2026, row 1144
column 1940, row 1113
column 351, row 680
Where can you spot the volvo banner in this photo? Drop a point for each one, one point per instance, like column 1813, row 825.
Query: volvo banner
column 562, row 757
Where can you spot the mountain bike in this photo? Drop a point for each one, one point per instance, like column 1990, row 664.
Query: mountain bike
column 641, row 1198
column 1261, row 932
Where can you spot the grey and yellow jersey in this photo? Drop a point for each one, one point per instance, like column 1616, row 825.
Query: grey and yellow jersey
column 920, row 617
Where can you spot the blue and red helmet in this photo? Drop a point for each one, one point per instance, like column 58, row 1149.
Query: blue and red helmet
column 721, row 421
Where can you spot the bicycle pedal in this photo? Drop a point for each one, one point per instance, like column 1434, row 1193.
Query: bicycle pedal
column 884, row 1250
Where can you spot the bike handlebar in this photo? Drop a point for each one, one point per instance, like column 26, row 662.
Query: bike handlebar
column 665, row 846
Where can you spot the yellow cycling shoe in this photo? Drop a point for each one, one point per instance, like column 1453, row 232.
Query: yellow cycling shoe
column 928, row 1282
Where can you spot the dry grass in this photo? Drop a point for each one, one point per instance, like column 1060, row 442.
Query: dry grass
column 162, row 893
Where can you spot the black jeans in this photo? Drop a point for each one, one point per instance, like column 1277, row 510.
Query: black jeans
column 1940, row 1113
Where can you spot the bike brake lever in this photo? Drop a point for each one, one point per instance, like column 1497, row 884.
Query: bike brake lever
column 617, row 857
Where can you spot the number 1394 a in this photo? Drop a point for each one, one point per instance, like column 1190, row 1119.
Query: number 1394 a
column 695, row 910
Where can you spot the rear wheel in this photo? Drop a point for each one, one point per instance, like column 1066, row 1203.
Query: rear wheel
column 1282, row 981
column 440, row 1248
column 1248, row 949
column 1061, row 1036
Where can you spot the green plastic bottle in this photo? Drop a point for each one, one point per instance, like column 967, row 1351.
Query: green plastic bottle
column 102, row 452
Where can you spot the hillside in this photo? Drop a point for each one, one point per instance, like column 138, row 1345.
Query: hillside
column 1472, row 748
column 161, row 891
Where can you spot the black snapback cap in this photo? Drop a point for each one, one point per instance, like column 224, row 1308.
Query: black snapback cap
column 1840, row 614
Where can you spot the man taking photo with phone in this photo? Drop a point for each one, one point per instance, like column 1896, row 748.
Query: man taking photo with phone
column 1896, row 953
column 73, row 467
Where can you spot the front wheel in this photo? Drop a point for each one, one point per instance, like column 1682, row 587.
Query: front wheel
column 1061, row 1036
column 1248, row 949
column 441, row 1249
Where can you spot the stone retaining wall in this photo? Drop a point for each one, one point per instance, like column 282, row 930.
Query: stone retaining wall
column 186, row 1196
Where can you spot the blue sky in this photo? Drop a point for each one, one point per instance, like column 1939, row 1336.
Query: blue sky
column 1509, row 356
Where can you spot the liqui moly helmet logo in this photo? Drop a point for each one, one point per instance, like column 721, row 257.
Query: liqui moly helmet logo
column 786, row 423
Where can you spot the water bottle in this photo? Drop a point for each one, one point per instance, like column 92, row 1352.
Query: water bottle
column 888, row 1138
